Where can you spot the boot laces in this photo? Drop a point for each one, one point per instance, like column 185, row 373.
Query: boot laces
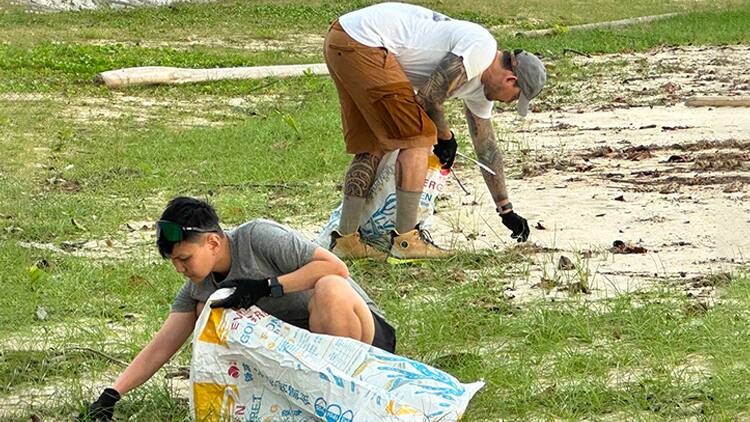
column 426, row 236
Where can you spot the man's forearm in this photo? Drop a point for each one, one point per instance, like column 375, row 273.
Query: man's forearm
column 437, row 115
column 488, row 153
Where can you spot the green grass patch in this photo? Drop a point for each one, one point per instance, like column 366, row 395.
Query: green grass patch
column 45, row 67
column 719, row 27
column 238, row 20
column 104, row 177
column 633, row 355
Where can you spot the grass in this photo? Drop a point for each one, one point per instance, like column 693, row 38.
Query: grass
column 717, row 27
column 647, row 353
column 57, row 56
column 634, row 355
column 237, row 20
column 80, row 162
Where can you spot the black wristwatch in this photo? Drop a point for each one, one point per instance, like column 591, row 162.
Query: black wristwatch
column 503, row 208
column 277, row 290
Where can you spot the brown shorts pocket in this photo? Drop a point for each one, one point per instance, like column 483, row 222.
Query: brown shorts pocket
column 338, row 47
column 402, row 117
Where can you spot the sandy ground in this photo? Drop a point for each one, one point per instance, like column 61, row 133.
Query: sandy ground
column 200, row 111
column 626, row 161
column 292, row 42
column 595, row 178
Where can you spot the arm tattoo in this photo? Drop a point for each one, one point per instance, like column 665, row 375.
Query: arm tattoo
column 361, row 175
column 447, row 77
column 483, row 137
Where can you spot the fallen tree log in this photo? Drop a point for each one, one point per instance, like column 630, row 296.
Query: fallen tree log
column 597, row 25
column 161, row 75
column 714, row 101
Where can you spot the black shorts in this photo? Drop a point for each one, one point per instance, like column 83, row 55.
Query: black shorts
column 385, row 335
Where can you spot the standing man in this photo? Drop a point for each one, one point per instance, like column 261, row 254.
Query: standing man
column 269, row 265
column 378, row 57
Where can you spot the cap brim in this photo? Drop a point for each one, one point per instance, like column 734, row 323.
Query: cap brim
column 523, row 105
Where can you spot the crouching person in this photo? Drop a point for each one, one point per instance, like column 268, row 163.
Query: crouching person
column 269, row 265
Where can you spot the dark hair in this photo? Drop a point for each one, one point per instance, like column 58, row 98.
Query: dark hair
column 506, row 59
column 188, row 212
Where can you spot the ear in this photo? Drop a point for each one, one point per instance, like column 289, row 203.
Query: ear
column 213, row 240
column 510, row 79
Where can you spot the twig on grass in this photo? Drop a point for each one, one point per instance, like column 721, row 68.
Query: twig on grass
column 254, row 185
column 96, row 352
column 263, row 86
column 580, row 53
column 488, row 225
column 459, row 183
column 182, row 372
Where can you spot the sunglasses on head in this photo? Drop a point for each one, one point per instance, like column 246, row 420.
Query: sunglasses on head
column 173, row 232
column 513, row 60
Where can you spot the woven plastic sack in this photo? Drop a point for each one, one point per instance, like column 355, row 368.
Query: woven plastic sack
column 250, row 366
column 379, row 216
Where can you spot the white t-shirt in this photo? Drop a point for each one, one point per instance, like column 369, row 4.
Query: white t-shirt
column 420, row 38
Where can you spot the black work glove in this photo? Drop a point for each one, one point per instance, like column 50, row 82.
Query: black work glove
column 246, row 293
column 103, row 408
column 445, row 150
column 517, row 225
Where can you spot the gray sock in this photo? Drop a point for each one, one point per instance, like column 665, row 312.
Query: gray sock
column 351, row 212
column 407, row 209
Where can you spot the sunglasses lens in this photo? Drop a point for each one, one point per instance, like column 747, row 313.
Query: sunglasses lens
column 169, row 231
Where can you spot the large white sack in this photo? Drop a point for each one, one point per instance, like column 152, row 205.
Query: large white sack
column 379, row 215
column 250, row 366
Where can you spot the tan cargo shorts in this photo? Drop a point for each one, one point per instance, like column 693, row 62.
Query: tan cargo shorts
column 379, row 111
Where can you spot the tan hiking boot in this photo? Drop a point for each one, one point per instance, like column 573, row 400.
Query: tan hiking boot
column 351, row 246
column 416, row 243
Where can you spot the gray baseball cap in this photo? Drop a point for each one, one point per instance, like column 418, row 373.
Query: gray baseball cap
column 531, row 77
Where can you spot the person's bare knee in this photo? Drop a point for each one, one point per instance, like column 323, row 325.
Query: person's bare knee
column 336, row 309
column 411, row 168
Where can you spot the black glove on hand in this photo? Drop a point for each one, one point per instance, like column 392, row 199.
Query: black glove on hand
column 445, row 150
column 103, row 408
column 246, row 293
column 517, row 225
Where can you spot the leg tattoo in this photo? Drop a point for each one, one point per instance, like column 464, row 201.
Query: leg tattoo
column 361, row 175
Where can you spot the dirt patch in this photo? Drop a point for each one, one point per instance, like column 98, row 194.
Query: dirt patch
column 310, row 43
column 663, row 76
column 203, row 111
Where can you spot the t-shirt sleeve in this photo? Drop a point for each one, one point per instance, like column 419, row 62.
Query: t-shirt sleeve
column 480, row 107
column 282, row 247
column 477, row 47
column 184, row 302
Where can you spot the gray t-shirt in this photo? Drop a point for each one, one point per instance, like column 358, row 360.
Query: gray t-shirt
column 262, row 249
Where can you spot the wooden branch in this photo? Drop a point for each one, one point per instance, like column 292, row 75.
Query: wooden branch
column 96, row 352
column 155, row 75
column 255, row 185
column 737, row 101
column 598, row 25
column 570, row 50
